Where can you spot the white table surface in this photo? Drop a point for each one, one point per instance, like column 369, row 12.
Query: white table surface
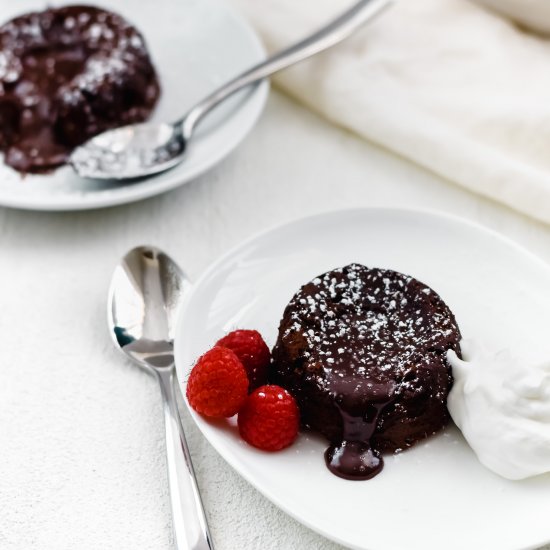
column 81, row 434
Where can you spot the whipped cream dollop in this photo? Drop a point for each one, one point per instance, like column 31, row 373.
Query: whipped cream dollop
column 502, row 406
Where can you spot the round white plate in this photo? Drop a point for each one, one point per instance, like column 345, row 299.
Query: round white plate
column 196, row 46
column 437, row 495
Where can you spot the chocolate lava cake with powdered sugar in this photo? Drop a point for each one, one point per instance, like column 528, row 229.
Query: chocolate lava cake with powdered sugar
column 67, row 74
column 363, row 351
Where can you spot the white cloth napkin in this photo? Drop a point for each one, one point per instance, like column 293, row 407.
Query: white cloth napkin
column 444, row 83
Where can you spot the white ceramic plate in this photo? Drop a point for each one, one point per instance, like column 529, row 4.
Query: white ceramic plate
column 196, row 46
column 437, row 495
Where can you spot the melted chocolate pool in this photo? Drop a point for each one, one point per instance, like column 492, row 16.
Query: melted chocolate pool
column 364, row 353
column 66, row 75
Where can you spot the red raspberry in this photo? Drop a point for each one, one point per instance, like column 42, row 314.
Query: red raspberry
column 217, row 385
column 269, row 419
column 250, row 348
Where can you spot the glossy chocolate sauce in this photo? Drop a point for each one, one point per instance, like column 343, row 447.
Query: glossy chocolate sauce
column 364, row 353
column 353, row 457
column 66, row 75
column 359, row 402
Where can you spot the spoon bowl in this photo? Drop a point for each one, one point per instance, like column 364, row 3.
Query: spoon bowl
column 130, row 152
column 146, row 290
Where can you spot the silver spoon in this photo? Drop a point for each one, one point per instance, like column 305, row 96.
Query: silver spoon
column 146, row 290
column 145, row 149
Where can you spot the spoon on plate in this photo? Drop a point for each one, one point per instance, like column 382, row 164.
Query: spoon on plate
column 145, row 149
column 146, row 291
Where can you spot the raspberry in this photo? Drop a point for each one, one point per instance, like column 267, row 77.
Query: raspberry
column 250, row 348
column 217, row 385
column 269, row 419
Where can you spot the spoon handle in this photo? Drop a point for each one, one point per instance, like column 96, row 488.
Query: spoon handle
column 190, row 527
column 324, row 38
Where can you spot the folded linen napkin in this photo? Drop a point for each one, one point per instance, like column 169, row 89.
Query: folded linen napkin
column 444, row 83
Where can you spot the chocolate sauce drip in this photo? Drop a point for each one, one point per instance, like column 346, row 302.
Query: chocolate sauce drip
column 360, row 402
column 66, row 75
column 353, row 457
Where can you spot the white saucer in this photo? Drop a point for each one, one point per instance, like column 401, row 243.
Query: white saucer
column 437, row 495
column 196, row 46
